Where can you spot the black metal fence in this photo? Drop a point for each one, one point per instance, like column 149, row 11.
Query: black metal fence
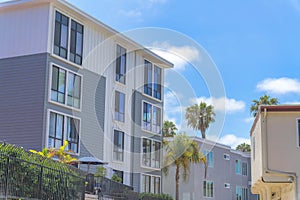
column 21, row 179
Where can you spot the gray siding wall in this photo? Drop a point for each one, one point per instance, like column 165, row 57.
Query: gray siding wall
column 22, row 97
column 138, row 134
column 223, row 171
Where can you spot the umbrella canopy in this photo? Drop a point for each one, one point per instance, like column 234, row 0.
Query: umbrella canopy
column 89, row 160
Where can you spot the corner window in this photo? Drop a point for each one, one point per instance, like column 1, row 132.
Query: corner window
column 118, row 145
column 208, row 188
column 241, row 193
column 152, row 80
column 150, row 184
column 151, row 118
column 209, row 158
column 119, row 106
column 65, row 87
column 65, row 47
column 121, row 64
column 62, row 128
column 151, row 153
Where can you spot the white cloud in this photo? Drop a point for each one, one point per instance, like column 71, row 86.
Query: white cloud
column 291, row 102
column 233, row 141
column 278, row 86
column 249, row 120
column 222, row 104
column 180, row 56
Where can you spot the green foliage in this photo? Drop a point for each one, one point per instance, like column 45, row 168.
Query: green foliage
column 101, row 171
column 150, row 196
column 263, row 100
column 116, row 178
column 243, row 147
column 200, row 116
column 169, row 129
column 32, row 176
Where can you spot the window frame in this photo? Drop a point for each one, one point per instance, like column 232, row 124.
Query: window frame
column 64, row 132
column 152, row 82
column 152, row 188
column 152, row 154
column 118, row 113
column 119, row 76
column 70, row 18
column 65, row 104
column 158, row 129
column 114, row 146
column 206, row 190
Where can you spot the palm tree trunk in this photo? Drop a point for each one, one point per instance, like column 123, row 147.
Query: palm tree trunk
column 177, row 182
column 203, row 133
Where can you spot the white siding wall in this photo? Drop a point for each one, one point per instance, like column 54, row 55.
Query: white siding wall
column 257, row 163
column 32, row 34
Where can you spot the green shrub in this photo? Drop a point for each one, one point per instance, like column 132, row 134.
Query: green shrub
column 151, row 196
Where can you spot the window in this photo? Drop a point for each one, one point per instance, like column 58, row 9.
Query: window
column 63, row 80
column 121, row 64
column 63, row 128
column 227, row 185
column 119, row 174
column 119, row 106
column 118, row 145
column 238, row 167
column 73, row 52
column 209, row 158
column 151, row 153
column 150, row 184
column 241, row 168
column 226, row 156
column 152, row 80
column 242, row 193
column 151, row 118
column 208, row 189
column 244, row 169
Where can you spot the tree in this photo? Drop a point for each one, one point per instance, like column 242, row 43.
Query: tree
column 200, row 116
column 116, row 178
column 181, row 152
column 169, row 129
column 263, row 100
column 101, row 171
column 243, row 147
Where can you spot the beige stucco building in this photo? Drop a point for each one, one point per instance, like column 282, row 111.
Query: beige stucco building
column 275, row 152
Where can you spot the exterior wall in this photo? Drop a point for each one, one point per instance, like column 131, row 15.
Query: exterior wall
column 223, row 171
column 22, row 97
column 32, row 25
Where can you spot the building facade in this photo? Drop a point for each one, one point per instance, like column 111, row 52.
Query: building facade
column 64, row 75
column 275, row 140
column 228, row 175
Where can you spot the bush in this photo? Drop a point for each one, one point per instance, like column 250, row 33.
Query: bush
column 150, row 196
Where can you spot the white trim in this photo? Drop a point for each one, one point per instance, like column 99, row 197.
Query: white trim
column 66, row 60
column 142, row 115
column 141, row 155
column 64, row 128
column 65, row 105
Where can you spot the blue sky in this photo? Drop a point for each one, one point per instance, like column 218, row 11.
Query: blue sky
column 255, row 45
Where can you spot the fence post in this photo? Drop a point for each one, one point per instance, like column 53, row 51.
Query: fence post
column 40, row 184
column 6, row 179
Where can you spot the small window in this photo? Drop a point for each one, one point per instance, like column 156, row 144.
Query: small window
column 227, row 185
column 226, row 156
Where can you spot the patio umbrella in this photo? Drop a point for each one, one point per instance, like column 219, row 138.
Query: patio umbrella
column 89, row 160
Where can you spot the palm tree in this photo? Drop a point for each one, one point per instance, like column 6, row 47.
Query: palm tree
column 243, row 147
column 200, row 116
column 169, row 129
column 181, row 152
column 263, row 100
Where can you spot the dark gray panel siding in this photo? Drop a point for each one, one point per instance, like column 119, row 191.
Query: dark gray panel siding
column 22, row 96
column 92, row 111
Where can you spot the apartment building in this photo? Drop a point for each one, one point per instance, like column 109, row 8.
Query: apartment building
column 275, row 137
column 65, row 75
column 228, row 175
